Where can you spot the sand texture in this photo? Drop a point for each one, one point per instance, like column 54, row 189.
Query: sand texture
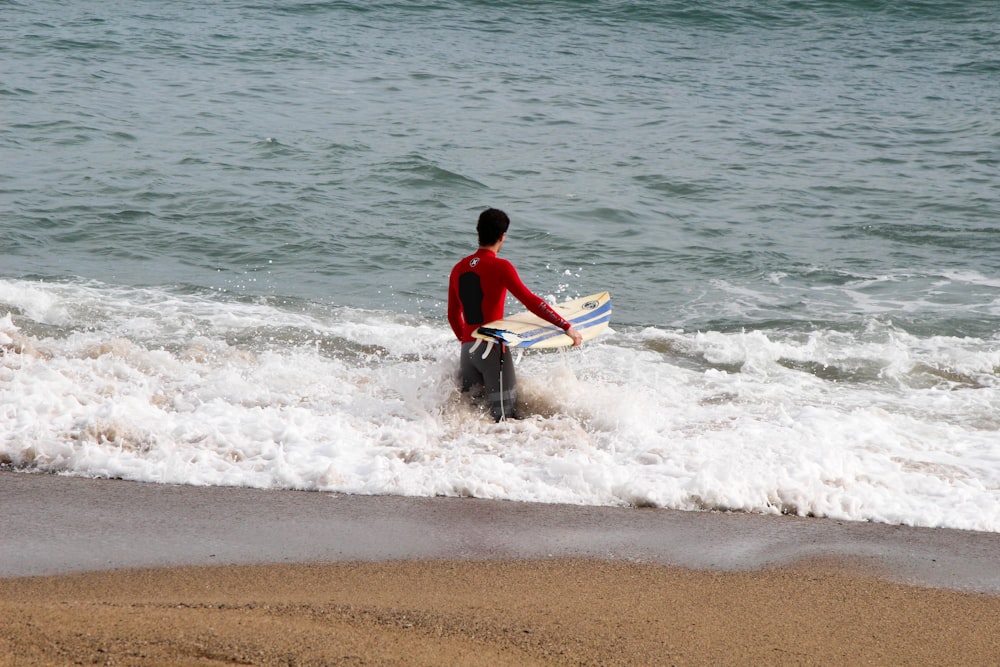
column 491, row 613
column 118, row 573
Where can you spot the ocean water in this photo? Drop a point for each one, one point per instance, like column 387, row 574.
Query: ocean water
column 227, row 229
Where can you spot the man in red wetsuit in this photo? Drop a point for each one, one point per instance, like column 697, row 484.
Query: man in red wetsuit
column 477, row 291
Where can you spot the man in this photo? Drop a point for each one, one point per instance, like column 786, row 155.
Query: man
column 477, row 291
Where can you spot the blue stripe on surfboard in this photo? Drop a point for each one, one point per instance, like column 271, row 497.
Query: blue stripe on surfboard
column 540, row 339
column 578, row 321
column 588, row 319
column 551, row 334
column 540, row 334
column 544, row 334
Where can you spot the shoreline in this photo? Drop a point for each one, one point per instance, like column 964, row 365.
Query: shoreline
column 102, row 524
column 111, row 572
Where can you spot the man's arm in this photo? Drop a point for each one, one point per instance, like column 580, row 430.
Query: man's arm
column 538, row 305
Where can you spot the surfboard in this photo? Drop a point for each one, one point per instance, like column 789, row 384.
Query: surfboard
column 590, row 315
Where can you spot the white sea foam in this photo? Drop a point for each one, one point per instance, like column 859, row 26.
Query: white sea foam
column 148, row 385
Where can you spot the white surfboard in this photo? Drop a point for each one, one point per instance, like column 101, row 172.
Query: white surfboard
column 590, row 315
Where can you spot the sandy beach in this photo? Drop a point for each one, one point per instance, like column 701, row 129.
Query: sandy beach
column 112, row 572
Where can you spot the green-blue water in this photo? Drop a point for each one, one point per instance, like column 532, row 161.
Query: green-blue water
column 715, row 164
column 801, row 187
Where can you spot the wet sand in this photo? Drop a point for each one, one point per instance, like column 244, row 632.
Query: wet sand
column 112, row 572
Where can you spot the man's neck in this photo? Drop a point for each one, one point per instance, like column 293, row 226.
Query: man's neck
column 495, row 248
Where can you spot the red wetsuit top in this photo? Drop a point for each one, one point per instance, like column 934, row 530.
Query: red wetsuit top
column 477, row 291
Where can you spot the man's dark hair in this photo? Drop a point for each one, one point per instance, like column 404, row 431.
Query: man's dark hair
column 493, row 224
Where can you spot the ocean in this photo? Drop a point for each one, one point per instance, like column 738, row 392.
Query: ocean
column 227, row 229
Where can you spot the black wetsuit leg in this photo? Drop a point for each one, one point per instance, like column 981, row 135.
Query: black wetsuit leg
column 494, row 372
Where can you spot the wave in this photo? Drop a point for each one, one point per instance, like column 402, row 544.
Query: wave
column 198, row 388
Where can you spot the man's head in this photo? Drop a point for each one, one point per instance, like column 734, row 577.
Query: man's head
column 493, row 224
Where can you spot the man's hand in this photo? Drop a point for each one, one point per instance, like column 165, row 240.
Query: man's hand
column 575, row 335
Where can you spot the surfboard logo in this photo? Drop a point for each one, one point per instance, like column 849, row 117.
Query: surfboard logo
column 590, row 305
column 475, row 260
